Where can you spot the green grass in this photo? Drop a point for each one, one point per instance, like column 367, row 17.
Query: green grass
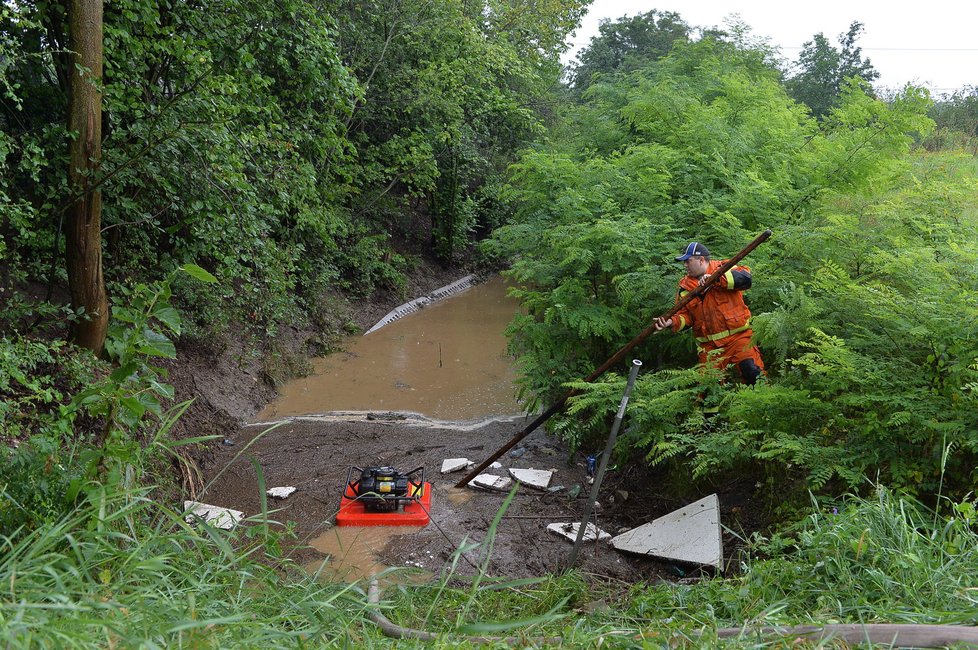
column 129, row 573
column 125, row 572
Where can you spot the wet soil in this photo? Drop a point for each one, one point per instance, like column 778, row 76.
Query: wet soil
column 314, row 455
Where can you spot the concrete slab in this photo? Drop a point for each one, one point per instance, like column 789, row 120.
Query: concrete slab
column 569, row 530
column 490, row 482
column 534, row 478
column 216, row 516
column 280, row 492
column 450, row 465
column 690, row 534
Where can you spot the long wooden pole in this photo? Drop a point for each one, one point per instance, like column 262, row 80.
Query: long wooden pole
column 617, row 356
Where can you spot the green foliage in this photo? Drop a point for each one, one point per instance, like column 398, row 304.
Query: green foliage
column 956, row 116
column 863, row 303
column 291, row 149
column 125, row 398
column 823, row 70
column 628, row 43
column 35, row 378
column 127, row 572
column 36, row 481
column 452, row 89
column 878, row 560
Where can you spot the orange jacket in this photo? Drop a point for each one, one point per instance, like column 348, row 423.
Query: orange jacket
column 721, row 312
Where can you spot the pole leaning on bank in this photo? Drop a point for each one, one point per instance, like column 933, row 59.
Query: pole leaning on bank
column 603, row 465
column 558, row 406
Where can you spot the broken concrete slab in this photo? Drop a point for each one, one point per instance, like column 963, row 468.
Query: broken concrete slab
column 450, row 465
column 569, row 530
column 534, row 478
column 690, row 534
column 490, row 482
column 496, row 465
column 280, row 492
column 216, row 516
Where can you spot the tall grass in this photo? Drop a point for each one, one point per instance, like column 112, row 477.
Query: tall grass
column 123, row 571
column 878, row 560
column 126, row 572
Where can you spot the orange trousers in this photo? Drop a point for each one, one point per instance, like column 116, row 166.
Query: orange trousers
column 734, row 349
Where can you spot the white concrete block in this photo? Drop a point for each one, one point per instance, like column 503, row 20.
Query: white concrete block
column 690, row 534
column 534, row 478
column 569, row 530
column 216, row 516
column 280, row 492
column 450, row 465
column 490, row 482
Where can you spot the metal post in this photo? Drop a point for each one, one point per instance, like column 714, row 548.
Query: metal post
column 603, row 465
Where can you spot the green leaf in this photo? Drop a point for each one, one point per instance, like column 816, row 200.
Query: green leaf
column 133, row 406
column 169, row 316
column 198, row 273
column 155, row 344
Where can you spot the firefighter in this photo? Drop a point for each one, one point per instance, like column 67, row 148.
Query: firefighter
column 719, row 318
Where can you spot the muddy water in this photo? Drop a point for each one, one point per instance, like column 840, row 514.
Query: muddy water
column 447, row 361
column 352, row 555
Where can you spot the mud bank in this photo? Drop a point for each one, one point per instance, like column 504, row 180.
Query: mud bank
column 315, row 454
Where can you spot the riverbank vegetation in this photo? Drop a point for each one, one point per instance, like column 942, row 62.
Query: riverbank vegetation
column 254, row 164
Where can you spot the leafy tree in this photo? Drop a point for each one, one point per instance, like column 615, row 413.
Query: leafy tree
column 628, row 43
column 822, row 70
column 866, row 335
column 957, row 121
column 451, row 89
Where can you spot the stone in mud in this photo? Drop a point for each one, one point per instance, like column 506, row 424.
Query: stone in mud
column 496, row 465
column 569, row 530
column 280, row 492
column 690, row 534
column 534, row 478
column 216, row 516
column 490, row 482
column 450, row 465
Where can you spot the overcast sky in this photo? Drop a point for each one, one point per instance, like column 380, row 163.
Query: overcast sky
column 934, row 44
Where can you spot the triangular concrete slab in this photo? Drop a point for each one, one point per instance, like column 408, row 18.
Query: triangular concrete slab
column 450, row 465
column 280, row 492
column 216, row 516
column 490, row 482
column 569, row 530
column 690, row 534
column 534, row 478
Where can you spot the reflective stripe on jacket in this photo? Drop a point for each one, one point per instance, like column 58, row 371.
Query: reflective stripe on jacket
column 722, row 311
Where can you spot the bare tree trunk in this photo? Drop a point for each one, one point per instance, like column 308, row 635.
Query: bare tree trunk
column 83, row 240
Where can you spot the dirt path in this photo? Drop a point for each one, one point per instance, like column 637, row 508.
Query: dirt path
column 314, row 456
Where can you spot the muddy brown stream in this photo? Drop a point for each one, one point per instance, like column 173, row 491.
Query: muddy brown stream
column 447, row 361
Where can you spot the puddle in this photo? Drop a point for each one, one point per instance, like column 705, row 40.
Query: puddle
column 352, row 555
column 447, row 361
column 458, row 496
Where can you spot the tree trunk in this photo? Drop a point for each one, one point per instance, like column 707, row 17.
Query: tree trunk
column 83, row 239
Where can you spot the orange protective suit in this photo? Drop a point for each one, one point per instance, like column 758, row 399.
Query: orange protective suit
column 720, row 319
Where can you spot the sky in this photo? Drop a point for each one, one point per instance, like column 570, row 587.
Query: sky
column 932, row 45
